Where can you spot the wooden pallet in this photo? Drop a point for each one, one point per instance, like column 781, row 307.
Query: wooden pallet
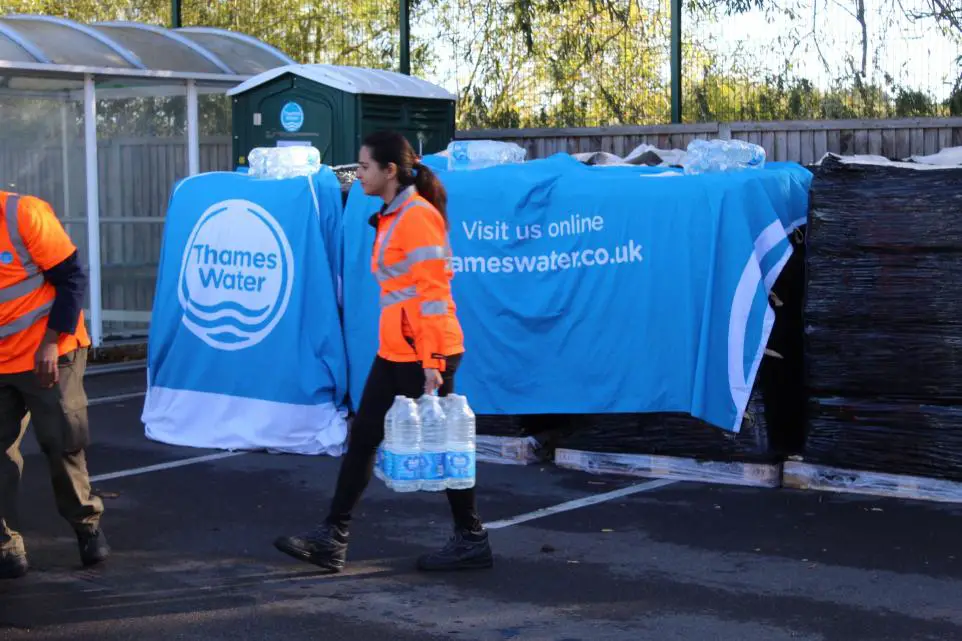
column 808, row 476
column 509, row 450
column 670, row 467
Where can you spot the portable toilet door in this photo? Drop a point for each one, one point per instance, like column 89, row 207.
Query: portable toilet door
column 287, row 110
column 334, row 107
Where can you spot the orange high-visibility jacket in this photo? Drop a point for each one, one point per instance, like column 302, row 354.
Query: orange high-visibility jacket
column 411, row 262
column 32, row 241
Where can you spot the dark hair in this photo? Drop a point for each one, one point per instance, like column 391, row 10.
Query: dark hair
column 388, row 147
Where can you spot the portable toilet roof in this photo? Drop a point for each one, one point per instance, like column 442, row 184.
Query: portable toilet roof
column 333, row 108
column 355, row 80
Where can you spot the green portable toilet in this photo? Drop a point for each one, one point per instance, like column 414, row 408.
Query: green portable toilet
column 334, row 107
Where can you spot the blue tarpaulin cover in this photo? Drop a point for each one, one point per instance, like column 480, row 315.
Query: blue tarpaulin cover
column 600, row 289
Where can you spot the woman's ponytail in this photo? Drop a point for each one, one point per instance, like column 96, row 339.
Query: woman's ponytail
column 431, row 189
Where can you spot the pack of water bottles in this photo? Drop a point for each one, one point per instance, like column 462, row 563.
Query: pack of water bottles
column 478, row 154
column 714, row 156
column 284, row 162
column 429, row 444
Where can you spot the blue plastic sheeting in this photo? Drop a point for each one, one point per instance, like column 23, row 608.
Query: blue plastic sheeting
column 246, row 349
column 600, row 289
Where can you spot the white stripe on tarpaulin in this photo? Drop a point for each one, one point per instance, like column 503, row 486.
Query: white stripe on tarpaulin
column 579, row 503
column 163, row 466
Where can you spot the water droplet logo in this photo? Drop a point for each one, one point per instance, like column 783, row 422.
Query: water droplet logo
column 292, row 117
column 6, row 258
column 459, row 461
column 236, row 276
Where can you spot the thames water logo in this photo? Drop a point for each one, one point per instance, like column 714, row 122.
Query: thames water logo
column 236, row 276
column 292, row 117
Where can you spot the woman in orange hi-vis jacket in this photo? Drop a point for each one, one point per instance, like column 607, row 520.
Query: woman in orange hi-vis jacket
column 420, row 347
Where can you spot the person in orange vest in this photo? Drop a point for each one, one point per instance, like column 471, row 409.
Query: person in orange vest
column 43, row 355
column 420, row 347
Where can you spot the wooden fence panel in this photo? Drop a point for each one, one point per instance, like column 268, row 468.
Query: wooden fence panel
column 802, row 142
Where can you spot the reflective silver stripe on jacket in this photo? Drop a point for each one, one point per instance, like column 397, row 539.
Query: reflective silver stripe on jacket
column 25, row 321
column 398, row 296
column 434, row 308
column 24, row 287
column 13, row 230
column 429, row 252
column 32, row 281
column 387, row 237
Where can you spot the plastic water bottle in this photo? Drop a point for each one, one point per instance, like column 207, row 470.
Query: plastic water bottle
column 478, row 154
column 433, row 443
column 402, row 446
column 284, row 162
column 380, row 466
column 711, row 156
column 459, row 458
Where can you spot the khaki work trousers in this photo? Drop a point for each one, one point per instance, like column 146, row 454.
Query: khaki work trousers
column 59, row 418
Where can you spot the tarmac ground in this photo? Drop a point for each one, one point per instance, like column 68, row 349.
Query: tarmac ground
column 193, row 556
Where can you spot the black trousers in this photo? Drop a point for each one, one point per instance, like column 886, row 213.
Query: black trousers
column 386, row 380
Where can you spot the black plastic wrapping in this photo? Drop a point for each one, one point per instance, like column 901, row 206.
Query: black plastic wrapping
column 781, row 380
column 883, row 319
column 496, row 425
column 906, row 291
column 880, row 365
column 522, row 425
column 677, row 435
column 863, row 210
column 888, row 437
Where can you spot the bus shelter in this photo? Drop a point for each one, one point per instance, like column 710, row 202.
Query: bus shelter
column 100, row 121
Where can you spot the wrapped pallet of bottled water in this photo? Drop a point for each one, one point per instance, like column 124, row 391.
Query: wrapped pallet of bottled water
column 713, row 156
column 428, row 445
column 284, row 162
column 478, row 154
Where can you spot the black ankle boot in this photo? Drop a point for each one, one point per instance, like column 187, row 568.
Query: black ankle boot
column 466, row 550
column 12, row 565
column 325, row 547
column 93, row 547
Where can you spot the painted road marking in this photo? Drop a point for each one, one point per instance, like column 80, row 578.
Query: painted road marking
column 105, row 400
column 115, row 368
column 579, row 503
column 164, row 466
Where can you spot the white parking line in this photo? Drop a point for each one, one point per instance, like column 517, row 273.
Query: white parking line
column 582, row 502
column 163, row 466
column 105, row 400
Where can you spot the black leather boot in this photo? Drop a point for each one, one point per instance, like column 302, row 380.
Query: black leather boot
column 13, row 565
column 93, row 547
column 325, row 547
column 466, row 550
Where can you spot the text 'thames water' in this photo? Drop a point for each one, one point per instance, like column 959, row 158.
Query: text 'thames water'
column 236, row 276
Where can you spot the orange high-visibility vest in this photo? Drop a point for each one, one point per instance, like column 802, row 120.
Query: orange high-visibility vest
column 411, row 262
column 32, row 241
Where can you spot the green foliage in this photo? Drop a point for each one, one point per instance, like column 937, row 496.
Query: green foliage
column 152, row 11
column 541, row 63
